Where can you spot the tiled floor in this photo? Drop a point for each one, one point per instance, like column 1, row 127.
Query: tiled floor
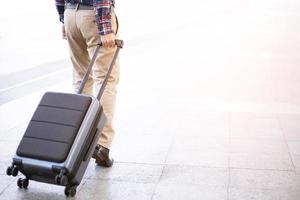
column 208, row 104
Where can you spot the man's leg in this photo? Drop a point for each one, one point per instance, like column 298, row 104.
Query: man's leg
column 100, row 68
column 78, row 51
column 108, row 99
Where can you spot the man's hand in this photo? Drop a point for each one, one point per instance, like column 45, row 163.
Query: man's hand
column 63, row 31
column 108, row 40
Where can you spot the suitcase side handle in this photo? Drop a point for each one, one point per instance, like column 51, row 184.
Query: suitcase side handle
column 119, row 44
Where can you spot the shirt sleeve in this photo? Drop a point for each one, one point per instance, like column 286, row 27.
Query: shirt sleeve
column 60, row 7
column 103, row 16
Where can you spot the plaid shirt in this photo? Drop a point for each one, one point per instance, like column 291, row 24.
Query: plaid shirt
column 102, row 8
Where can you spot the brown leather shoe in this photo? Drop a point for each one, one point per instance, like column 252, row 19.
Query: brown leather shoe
column 101, row 154
column 95, row 151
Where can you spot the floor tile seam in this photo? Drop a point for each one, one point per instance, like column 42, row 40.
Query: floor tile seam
column 173, row 165
column 260, row 169
column 182, row 184
column 7, row 186
column 259, row 152
column 201, row 185
column 156, row 184
column 264, row 188
column 202, row 151
column 139, row 163
column 170, row 147
column 286, row 141
column 146, row 146
column 120, row 181
column 163, row 166
column 154, row 188
column 267, row 169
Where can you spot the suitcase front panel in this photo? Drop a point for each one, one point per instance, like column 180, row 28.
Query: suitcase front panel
column 53, row 127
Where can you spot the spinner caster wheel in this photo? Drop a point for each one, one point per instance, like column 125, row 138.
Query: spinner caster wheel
column 70, row 191
column 61, row 180
column 14, row 171
column 23, row 183
column 9, row 171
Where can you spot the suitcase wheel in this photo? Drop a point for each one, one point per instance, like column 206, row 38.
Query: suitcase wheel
column 9, row 171
column 70, row 191
column 61, row 179
column 12, row 170
column 23, row 183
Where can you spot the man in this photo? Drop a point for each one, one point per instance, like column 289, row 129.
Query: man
column 85, row 23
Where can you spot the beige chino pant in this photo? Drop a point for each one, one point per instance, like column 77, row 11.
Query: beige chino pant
column 83, row 37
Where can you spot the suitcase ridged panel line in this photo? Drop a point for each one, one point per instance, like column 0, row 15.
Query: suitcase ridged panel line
column 50, row 131
column 53, row 123
column 51, row 140
column 49, row 106
column 58, row 115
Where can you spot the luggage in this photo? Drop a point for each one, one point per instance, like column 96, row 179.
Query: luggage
column 61, row 136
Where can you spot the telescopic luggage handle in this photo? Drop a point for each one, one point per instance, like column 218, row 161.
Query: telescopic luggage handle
column 119, row 44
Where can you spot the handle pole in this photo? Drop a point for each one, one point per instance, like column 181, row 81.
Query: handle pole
column 119, row 44
column 102, row 88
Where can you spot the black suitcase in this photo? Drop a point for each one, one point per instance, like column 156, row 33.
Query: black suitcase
column 61, row 136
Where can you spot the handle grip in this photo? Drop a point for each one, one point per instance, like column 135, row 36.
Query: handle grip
column 118, row 43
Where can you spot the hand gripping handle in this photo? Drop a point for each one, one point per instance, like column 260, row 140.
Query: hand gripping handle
column 119, row 44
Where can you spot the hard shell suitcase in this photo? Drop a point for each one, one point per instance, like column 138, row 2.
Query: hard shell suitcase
column 61, row 136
